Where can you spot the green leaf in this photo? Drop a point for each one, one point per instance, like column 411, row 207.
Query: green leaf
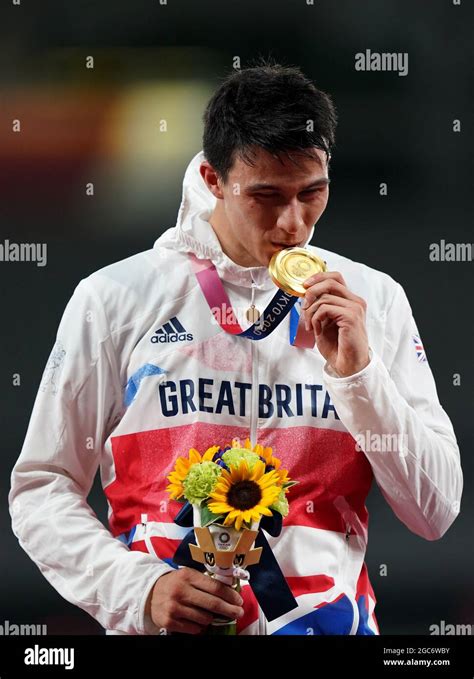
column 207, row 517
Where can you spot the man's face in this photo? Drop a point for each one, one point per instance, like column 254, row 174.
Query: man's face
column 271, row 205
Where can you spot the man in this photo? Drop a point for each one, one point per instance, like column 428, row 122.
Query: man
column 145, row 373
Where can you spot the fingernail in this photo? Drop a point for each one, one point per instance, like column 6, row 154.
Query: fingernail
column 241, row 612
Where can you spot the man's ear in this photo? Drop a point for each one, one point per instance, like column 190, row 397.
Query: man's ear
column 211, row 179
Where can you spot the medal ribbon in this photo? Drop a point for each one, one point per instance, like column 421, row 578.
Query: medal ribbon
column 267, row 581
column 279, row 306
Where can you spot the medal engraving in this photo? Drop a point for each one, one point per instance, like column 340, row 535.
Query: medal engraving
column 289, row 268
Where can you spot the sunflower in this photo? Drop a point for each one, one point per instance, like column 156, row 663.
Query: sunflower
column 244, row 494
column 270, row 461
column 182, row 467
column 266, row 454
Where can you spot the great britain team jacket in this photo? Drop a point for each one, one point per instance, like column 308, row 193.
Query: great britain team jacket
column 140, row 373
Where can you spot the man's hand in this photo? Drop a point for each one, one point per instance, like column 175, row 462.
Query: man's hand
column 338, row 319
column 187, row 601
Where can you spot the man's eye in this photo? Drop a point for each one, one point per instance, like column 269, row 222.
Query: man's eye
column 311, row 192
column 306, row 194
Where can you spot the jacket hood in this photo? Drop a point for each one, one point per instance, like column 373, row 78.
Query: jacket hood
column 194, row 233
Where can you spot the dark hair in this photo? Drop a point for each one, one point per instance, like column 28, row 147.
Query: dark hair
column 269, row 106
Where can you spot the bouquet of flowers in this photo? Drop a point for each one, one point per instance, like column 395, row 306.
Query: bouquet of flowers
column 230, row 490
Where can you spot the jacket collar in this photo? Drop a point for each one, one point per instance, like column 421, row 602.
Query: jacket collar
column 193, row 232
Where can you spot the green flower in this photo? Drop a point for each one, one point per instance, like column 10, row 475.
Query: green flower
column 233, row 456
column 201, row 481
column 281, row 504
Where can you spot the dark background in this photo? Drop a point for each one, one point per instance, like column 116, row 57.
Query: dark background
column 156, row 62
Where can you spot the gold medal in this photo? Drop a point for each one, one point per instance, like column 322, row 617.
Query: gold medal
column 289, row 268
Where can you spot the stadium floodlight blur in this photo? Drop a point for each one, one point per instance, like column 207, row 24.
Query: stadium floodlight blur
column 110, row 143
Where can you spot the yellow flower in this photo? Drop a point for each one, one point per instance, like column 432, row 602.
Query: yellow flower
column 270, row 461
column 283, row 478
column 175, row 488
column 266, row 453
column 244, row 495
column 182, row 467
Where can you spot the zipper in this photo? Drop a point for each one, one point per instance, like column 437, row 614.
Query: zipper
column 352, row 599
column 254, row 399
column 253, row 428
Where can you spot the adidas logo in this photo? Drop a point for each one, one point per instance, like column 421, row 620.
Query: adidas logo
column 172, row 331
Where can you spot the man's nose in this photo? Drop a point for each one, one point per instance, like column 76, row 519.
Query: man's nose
column 291, row 217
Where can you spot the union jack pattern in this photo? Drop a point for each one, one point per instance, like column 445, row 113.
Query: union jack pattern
column 420, row 350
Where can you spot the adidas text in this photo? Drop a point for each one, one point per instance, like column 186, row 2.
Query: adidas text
column 174, row 337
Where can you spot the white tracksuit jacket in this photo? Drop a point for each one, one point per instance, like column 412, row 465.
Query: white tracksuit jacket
column 139, row 374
